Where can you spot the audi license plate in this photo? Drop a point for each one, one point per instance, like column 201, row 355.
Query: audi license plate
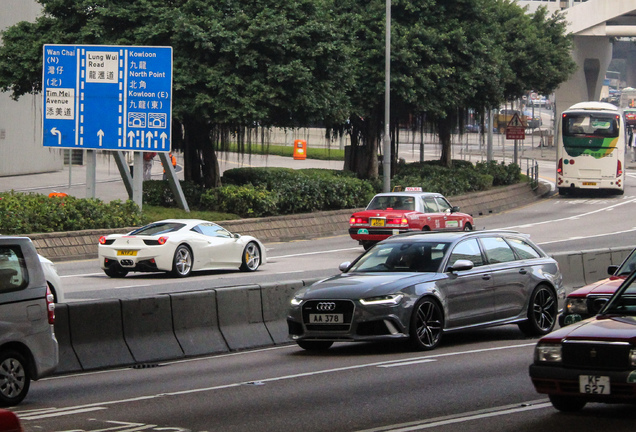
column 377, row 222
column 326, row 318
column 594, row 384
column 126, row 253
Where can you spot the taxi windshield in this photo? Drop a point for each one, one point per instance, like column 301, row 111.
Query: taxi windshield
column 623, row 303
column 392, row 202
column 403, row 257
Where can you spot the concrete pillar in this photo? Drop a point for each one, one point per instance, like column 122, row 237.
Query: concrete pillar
column 630, row 63
column 592, row 55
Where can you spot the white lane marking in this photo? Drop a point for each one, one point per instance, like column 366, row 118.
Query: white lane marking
column 83, row 275
column 53, row 412
column 631, row 230
column 573, row 217
column 463, row 417
column 408, row 363
column 100, row 405
column 314, row 253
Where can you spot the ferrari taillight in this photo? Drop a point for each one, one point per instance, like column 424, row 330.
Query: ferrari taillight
column 102, row 240
column 162, row 240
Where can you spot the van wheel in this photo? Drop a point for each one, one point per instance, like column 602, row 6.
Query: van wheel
column 14, row 378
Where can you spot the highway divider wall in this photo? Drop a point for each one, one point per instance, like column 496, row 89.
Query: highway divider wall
column 142, row 332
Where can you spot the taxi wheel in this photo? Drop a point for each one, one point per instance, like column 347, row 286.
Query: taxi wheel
column 14, row 378
column 468, row 227
column 567, row 403
column 115, row 272
column 368, row 245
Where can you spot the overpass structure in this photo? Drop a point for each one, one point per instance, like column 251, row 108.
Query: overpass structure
column 597, row 27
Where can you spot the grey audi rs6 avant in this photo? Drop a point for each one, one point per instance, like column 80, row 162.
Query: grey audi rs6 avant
column 418, row 286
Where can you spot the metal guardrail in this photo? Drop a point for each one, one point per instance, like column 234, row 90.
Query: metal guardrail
column 532, row 171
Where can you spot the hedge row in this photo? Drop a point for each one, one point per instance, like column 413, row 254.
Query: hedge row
column 257, row 192
column 26, row 213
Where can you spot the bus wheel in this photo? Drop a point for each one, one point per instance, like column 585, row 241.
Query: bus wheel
column 564, row 191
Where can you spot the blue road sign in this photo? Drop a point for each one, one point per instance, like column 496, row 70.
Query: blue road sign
column 107, row 97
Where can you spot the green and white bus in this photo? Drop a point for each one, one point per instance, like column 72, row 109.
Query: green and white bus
column 591, row 142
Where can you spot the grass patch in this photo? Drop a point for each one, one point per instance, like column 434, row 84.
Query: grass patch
column 155, row 213
column 288, row 151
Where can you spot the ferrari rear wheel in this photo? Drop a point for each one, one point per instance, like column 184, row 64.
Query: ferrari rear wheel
column 251, row 257
column 182, row 262
column 115, row 272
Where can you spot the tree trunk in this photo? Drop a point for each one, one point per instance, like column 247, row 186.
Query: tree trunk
column 444, row 129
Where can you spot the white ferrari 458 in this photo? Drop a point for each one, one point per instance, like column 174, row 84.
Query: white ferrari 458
column 179, row 246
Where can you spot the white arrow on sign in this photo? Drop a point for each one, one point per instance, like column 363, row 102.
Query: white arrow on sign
column 131, row 136
column 54, row 131
column 163, row 137
column 149, row 137
column 100, row 134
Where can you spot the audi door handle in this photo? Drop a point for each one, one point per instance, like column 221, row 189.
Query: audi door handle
column 486, row 277
column 523, row 271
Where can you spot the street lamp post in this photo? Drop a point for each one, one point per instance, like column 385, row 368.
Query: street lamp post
column 386, row 160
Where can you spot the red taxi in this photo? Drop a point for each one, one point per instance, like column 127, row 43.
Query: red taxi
column 398, row 212
column 586, row 301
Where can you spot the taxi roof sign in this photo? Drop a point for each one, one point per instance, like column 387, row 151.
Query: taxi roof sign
column 413, row 189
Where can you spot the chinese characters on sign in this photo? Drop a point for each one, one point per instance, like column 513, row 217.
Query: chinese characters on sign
column 107, row 97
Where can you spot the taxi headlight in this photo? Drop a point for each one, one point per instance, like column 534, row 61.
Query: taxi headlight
column 391, row 299
column 632, row 357
column 547, row 353
column 576, row 306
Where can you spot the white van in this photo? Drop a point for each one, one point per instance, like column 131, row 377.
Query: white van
column 28, row 348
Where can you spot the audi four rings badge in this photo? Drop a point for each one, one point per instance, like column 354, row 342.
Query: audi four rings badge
column 326, row 306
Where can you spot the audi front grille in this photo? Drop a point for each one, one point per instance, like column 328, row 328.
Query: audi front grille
column 328, row 309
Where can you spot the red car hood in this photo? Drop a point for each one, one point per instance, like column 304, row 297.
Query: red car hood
column 606, row 286
column 603, row 328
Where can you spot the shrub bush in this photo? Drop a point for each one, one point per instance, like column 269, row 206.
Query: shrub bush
column 25, row 213
column 246, row 201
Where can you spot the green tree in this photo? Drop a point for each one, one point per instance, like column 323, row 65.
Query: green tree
column 237, row 63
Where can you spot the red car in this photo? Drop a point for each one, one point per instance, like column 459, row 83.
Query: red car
column 630, row 117
column 586, row 301
column 593, row 360
column 398, row 212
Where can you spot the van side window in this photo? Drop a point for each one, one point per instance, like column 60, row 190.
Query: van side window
column 13, row 271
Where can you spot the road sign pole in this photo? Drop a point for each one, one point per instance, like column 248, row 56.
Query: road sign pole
column 91, row 167
column 138, row 178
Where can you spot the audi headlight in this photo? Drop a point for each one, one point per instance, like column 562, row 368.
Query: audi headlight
column 576, row 306
column 296, row 301
column 391, row 299
column 547, row 353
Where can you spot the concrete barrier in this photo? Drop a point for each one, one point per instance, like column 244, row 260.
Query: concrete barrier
column 276, row 298
column 196, row 323
column 148, row 329
column 595, row 263
column 97, row 335
column 68, row 359
column 241, row 317
column 112, row 333
column 571, row 266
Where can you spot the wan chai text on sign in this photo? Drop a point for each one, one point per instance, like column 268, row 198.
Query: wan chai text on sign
column 107, row 97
